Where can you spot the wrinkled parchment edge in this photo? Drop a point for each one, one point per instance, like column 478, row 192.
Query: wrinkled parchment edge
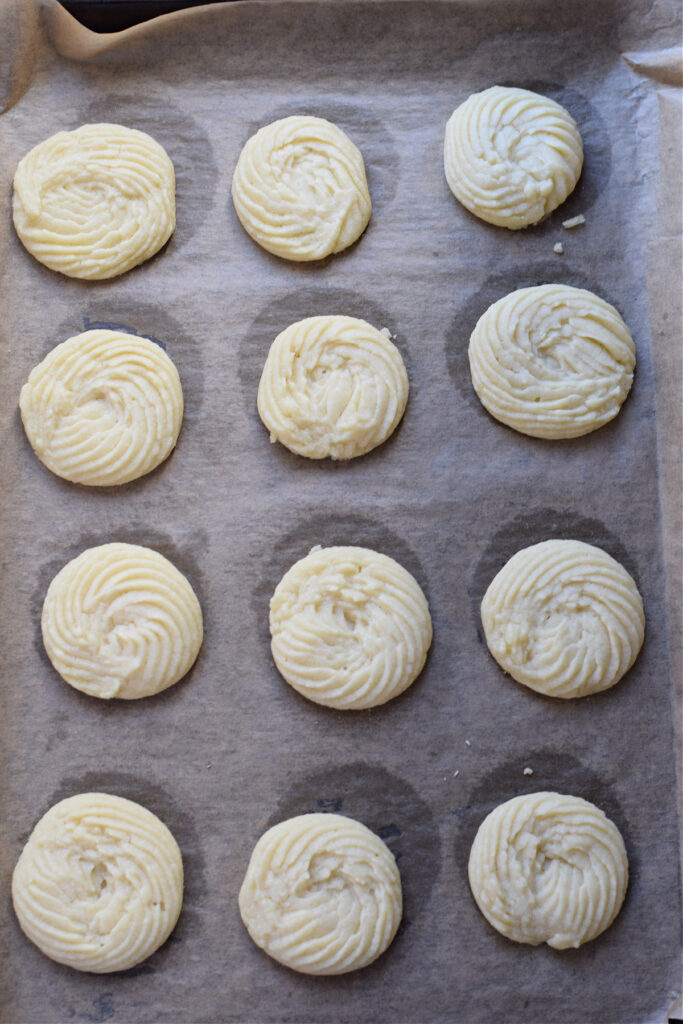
column 665, row 68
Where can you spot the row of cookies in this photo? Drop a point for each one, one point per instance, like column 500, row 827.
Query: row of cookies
column 350, row 627
column 511, row 156
column 99, row 883
column 105, row 408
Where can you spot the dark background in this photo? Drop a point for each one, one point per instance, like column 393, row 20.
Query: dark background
column 115, row 15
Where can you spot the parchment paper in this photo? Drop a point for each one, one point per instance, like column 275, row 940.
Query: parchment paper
column 452, row 495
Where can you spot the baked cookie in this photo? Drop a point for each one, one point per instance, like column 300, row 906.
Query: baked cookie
column 322, row 894
column 121, row 621
column 350, row 628
column 563, row 618
column 552, row 361
column 95, row 202
column 99, row 884
column 548, row 868
column 103, row 408
column 511, row 156
column 332, row 387
column 300, row 189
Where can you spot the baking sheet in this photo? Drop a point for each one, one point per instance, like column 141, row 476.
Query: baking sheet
column 452, row 495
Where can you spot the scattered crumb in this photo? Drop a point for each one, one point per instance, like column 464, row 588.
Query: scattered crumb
column 574, row 222
column 468, row 743
column 387, row 333
column 456, row 773
column 209, row 765
column 558, row 248
column 528, row 771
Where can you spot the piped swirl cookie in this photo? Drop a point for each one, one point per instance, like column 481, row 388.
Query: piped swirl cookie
column 322, row 894
column 564, row 618
column 99, row 884
column 103, row 408
column 511, row 156
column 332, row 387
column 350, row 628
column 300, row 190
column 121, row 621
column 95, row 202
column 552, row 361
column 546, row 867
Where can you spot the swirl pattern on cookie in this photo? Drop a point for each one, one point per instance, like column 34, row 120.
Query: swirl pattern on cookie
column 103, row 408
column 350, row 627
column 99, row 884
column 95, row 202
column 300, row 189
column 564, row 618
column 332, row 387
column 121, row 621
column 511, row 156
column 552, row 361
column 546, row 867
column 322, row 894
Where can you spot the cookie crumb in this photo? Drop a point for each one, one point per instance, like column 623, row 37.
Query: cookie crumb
column 528, row 771
column 558, row 248
column 468, row 743
column 456, row 773
column 574, row 222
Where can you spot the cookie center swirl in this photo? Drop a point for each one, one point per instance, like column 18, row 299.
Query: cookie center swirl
column 300, row 190
column 547, row 867
column 99, row 883
column 103, row 408
column 95, row 202
column 121, row 621
column 552, row 361
column 322, row 894
column 350, row 627
column 332, row 386
column 511, row 156
column 563, row 618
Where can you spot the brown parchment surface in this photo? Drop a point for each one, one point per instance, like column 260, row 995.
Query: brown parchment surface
column 452, row 495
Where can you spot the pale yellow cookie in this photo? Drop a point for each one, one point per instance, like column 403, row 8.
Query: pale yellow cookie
column 548, row 868
column 511, row 156
column 300, row 189
column 99, row 884
column 564, row 618
column 552, row 361
column 95, row 202
column 332, row 387
column 322, row 894
column 350, row 628
column 103, row 408
column 121, row 621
